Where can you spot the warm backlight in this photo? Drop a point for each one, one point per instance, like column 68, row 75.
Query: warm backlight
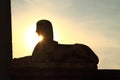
column 31, row 37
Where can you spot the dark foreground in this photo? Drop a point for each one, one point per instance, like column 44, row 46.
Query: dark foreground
column 39, row 73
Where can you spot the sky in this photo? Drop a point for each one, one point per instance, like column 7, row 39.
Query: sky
column 94, row 23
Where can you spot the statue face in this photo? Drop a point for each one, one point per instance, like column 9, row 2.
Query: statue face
column 44, row 28
column 39, row 31
column 44, row 31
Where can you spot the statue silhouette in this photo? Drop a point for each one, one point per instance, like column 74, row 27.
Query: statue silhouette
column 49, row 51
column 43, row 49
column 52, row 60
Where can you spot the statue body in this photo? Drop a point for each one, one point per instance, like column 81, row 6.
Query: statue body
column 53, row 52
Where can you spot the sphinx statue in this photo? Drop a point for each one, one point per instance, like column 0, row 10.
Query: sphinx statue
column 50, row 51
column 53, row 60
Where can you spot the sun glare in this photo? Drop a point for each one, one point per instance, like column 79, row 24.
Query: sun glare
column 31, row 37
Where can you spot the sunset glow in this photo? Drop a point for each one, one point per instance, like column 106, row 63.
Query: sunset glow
column 31, row 37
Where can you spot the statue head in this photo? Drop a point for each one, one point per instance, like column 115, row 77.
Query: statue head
column 44, row 28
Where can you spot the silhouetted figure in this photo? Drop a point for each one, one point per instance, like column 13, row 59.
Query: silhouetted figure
column 49, row 51
column 51, row 60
